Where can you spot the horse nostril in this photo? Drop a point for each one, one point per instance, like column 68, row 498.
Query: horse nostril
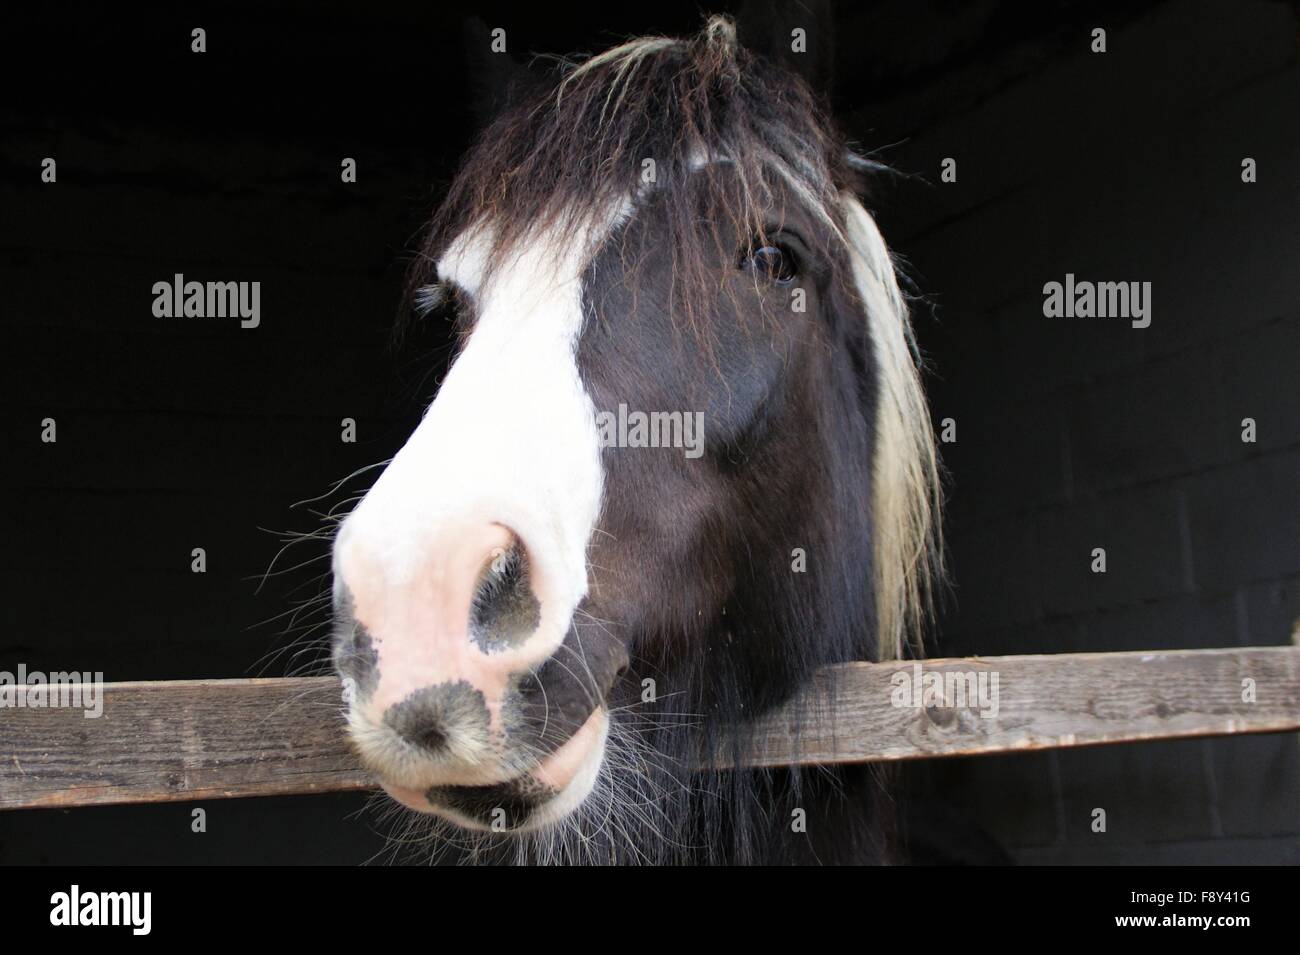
column 431, row 737
column 505, row 612
column 440, row 718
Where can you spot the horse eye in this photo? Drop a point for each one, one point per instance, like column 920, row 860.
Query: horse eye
column 775, row 263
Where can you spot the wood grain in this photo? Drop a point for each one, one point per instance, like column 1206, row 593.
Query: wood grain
column 211, row 739
column 1045, row 702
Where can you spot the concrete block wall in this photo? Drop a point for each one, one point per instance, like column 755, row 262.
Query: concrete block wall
column 1076, row 433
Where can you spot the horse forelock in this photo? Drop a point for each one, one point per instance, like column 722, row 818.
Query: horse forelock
column 647, row 119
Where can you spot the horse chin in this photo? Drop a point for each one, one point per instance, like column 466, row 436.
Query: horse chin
column 543, row 797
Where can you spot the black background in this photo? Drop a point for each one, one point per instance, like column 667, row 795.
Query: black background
column 1026, row 904
column 183, row 433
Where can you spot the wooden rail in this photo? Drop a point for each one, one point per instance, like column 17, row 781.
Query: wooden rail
column 210, row 739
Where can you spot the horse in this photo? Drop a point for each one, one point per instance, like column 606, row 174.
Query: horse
column 556, row 635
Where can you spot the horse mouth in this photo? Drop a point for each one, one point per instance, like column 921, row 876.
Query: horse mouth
column 542, row 797
column 502, row 807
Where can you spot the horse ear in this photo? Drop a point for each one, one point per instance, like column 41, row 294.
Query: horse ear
column 796, row 34
column 496, row 79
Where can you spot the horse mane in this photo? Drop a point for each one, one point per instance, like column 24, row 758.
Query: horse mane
column 907, row 494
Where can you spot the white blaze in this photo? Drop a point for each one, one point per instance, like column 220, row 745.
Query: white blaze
column 510, row 439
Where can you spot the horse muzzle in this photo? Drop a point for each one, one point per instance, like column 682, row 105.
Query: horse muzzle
column 469, row 696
